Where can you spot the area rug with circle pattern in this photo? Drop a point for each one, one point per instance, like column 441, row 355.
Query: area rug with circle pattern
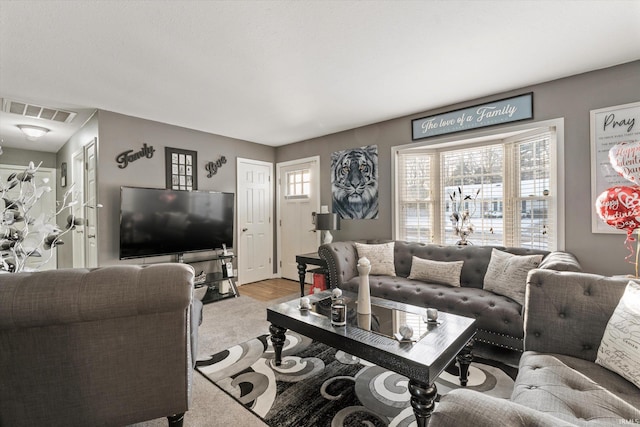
column 317, row 385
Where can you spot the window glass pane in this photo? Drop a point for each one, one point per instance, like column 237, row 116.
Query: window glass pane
column 472, row 186
column 415, row 205
column 299, row 183
column 535, row 229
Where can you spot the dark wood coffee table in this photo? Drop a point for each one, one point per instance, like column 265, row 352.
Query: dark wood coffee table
column 421, row 361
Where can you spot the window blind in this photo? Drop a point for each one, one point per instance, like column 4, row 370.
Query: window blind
column 505, row 185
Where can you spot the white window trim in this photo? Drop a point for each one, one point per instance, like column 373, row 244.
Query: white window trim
column 556, row 174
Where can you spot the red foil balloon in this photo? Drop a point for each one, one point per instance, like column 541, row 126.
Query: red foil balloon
column 620, row 207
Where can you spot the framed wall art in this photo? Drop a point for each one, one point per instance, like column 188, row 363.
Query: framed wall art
column 609, row 127
column 354, row 182
column 181, row 169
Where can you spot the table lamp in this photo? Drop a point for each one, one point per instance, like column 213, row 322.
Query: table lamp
column 326, row 222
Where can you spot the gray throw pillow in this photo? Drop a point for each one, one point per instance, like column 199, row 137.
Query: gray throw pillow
column 507, row 274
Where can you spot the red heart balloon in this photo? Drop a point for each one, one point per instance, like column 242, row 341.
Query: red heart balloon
column 620, row 207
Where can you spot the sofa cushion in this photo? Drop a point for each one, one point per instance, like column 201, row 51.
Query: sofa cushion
column 507, row 274
column 619, row 349
column 446, row 273
column 381, row 257
column 464, row 407
column 575, row 390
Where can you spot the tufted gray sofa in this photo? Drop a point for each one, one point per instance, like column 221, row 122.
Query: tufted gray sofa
column 558, row 383
column 499, row 318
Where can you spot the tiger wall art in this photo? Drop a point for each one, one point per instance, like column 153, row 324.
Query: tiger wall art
column 354, row 182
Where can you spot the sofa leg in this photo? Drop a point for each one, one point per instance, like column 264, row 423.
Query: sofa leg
column 464, row 359
column 176, row 420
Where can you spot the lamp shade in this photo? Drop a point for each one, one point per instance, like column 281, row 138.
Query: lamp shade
column 327, row 221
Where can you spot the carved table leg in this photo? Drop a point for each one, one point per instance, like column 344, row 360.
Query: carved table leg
column 302, row 272
column 464, row 359
column 277, row 339
column 423, row 397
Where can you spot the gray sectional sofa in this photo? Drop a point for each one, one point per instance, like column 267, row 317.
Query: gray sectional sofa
column 559, row 383
column 499, row 318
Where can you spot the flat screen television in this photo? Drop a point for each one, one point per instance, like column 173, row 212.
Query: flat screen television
column 160, row 222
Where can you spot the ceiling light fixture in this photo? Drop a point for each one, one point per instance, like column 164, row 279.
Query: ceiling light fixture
column 33, row 132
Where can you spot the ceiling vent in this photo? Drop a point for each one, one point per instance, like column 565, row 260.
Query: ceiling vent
column 37, row 111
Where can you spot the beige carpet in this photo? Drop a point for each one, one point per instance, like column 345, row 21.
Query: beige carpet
column 224, row 324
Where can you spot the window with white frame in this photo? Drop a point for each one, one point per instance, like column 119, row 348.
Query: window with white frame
column 298, row 184
column 506, row 187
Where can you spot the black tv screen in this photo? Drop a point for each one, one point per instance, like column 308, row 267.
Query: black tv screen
column 160, row 222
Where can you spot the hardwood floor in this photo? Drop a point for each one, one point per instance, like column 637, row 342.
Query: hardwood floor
column 271, row 289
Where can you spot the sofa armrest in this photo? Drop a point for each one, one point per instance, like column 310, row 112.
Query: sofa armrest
column 560, row 261
column 471, row 408
column 567, row 312
column 341, row 259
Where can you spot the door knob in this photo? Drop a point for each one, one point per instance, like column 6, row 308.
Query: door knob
column 244, row 229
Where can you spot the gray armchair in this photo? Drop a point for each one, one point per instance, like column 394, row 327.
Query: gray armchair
column 109, row 346
column 558, row 383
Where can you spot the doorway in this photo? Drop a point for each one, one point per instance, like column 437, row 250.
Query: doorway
column 83, row 173
column 77, row 174
column 298, row 196
column 90, row 202
column 255, row 229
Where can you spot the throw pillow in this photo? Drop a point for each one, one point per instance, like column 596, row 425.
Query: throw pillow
column 619, row 349
column 381, row 257
column 507, row 274
column 426, row 270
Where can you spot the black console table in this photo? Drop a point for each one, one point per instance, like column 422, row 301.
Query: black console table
column 313, row 259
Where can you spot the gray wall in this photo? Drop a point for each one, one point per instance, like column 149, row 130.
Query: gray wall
column 570, row 98
column 118, row 133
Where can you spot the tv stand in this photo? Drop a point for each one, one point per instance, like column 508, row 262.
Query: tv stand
column 219, row 284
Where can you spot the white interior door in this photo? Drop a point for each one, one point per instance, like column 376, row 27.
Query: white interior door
column 255, row 229
column 91, row 214
column 77, row 180
column 298, row 197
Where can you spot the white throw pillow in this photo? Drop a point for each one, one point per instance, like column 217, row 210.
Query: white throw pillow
column 426, row 270
column 381, row 257
column 619, row 349
column 507, row 274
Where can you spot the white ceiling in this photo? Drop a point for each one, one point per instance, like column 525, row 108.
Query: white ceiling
column 277, row 72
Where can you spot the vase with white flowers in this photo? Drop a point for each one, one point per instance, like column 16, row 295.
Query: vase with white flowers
column 27, row 240
column 461, row 216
